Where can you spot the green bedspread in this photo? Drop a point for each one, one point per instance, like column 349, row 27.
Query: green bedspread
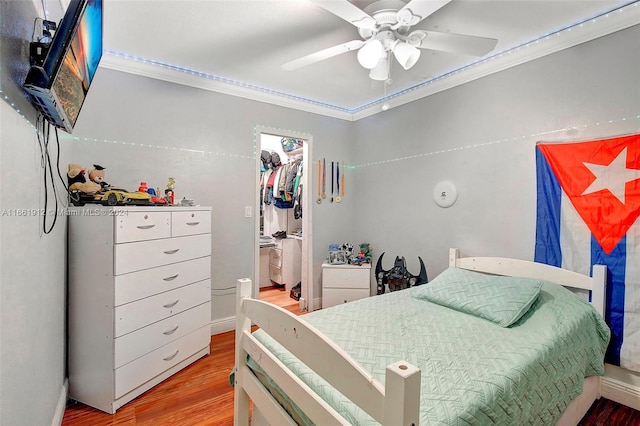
column 474, row 372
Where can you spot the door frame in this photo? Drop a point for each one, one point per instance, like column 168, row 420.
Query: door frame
column 306, row 296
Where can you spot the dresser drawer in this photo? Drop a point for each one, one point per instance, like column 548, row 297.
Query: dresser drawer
column 275, row 257
column 134, row 374
column 138, row 314
column 140, row 226
column 346, row 277
column 190, row 223
column 141, row 255
column 333, row 296
column 147, row 339
column 141, row 284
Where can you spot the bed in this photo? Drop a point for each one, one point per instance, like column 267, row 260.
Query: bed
column 452, row 351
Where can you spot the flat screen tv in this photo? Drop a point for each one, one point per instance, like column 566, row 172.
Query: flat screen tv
column 59, row 86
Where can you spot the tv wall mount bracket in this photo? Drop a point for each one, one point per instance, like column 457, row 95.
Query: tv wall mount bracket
column 39, row 48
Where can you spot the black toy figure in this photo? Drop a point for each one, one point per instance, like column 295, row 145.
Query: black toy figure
column 398, row 278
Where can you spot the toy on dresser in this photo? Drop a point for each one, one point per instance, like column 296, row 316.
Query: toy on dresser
column 97, row 175
column 97, row 191
column 77, row 180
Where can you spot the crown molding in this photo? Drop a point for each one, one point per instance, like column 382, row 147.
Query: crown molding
column 156, row 70
column 619, row 19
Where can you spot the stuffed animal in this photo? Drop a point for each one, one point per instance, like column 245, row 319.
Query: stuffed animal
column 97, row 175
column 78, row 182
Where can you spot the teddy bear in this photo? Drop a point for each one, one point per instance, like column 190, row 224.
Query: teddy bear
column 78, row 182
column 97, row 175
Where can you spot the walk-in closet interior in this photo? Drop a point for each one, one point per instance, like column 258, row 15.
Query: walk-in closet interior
column 280, row 215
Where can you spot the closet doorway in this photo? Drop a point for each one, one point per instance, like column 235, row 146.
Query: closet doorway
column 283, row 243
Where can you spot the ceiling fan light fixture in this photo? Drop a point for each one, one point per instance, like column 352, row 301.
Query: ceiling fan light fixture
column 370, row 54
column 381, row 71
column 406, row 54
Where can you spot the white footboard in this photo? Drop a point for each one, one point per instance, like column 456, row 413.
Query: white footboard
column 395, row 403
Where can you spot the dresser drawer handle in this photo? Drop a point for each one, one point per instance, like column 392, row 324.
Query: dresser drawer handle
column 192, row 223
column 145, row 226
column 171, row 251
column 172, row 304
column 171, row 278
column 168, row 332
column 169, row 358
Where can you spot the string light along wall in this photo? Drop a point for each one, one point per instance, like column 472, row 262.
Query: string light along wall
column 514, row 139
column 518, row 138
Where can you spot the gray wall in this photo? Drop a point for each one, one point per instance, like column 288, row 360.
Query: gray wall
column 480, row 135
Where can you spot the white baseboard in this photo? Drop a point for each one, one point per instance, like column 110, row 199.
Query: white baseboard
column 61, row 405
column 222, row 325
column 621, row 392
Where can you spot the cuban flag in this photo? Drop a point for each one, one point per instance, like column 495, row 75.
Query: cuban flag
column 587, row 213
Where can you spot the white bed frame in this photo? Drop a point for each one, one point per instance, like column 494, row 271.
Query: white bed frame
column 395, row 403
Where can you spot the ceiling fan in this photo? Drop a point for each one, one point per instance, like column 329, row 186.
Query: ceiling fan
column 385, row 27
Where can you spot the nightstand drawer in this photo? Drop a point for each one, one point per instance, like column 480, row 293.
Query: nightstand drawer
column 141, row 255
column 140, row 342
column 351, row 277
column 140, row 226
column 332, row 297
column 190, row 223
column 138, row 285
column 135, row 373
column 141, row 313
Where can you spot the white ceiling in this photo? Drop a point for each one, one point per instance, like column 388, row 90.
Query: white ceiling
column 238, row 46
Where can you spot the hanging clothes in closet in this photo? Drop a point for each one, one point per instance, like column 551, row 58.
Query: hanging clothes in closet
column 268, row 177
column 280, row 184
column 280, row 198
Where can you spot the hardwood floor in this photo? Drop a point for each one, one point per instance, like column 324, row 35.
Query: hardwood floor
column 201, row 394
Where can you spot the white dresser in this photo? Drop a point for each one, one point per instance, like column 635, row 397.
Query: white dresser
column 345, row 283
column 139, row 298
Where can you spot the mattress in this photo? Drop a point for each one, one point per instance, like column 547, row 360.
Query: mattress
column 473, row 371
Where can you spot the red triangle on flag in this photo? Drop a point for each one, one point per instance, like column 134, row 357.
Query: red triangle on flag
column 607, row 217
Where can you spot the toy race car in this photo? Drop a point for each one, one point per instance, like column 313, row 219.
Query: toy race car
column 110, row 197
column 115, row 196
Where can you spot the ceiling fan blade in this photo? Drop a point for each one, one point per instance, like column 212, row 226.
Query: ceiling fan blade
column 419, row 9
column 322, row 55
column 348, row 11
column 454, row 43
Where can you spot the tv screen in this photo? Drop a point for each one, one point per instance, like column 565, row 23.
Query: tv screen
column 59, row 87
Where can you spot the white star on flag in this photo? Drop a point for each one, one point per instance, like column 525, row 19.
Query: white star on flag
column 613, row 176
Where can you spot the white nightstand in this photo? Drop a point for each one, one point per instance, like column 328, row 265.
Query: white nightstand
column 345, row 283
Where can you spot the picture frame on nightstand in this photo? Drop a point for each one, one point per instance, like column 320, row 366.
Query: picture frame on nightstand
column 337, row 257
